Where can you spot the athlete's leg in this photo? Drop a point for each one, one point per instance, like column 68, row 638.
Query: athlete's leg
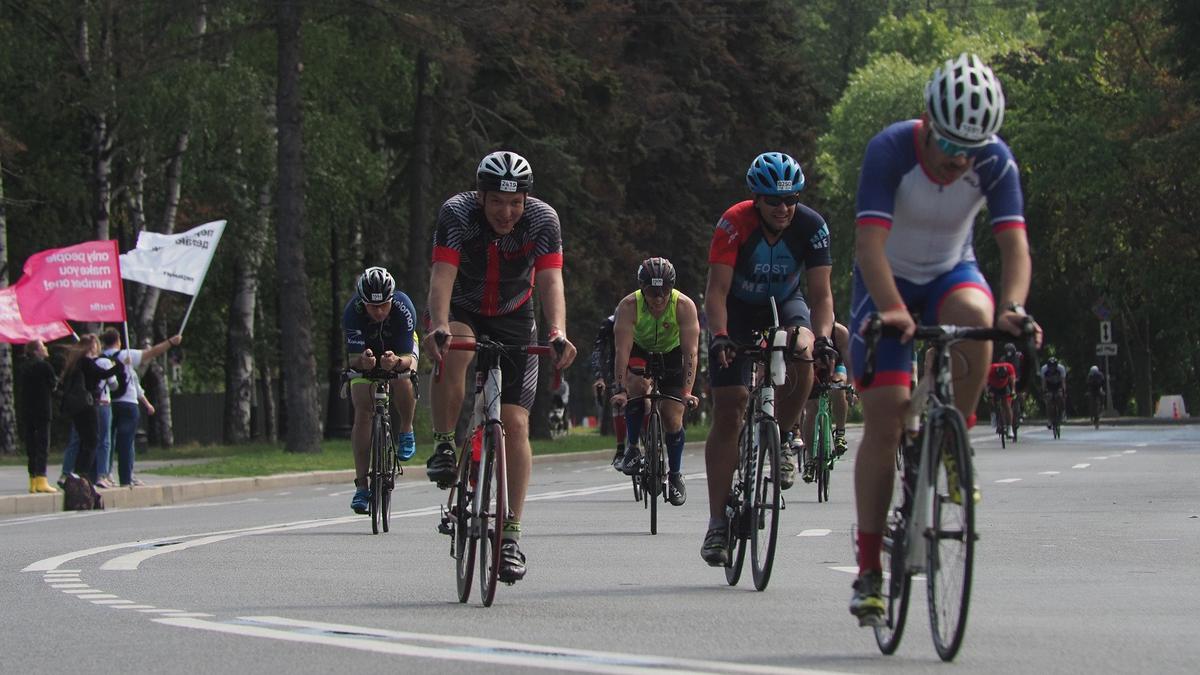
column 672, row 418
column 518, row 454
column 720, row 449
column 875, row 466
column 968, row 305
column 404, row 402
column 360, row 433
column 791, row 397
column 447, row 391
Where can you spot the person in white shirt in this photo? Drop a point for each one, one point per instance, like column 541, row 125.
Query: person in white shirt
column 125, row 411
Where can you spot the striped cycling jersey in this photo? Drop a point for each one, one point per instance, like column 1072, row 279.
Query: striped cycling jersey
column 762, row 269
column 495, row 273
column 930, row 222
column 660, row 334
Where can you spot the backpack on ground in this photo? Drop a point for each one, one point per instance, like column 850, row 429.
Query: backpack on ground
column 79, row 495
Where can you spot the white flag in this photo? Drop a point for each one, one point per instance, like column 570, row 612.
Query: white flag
column 175, row 262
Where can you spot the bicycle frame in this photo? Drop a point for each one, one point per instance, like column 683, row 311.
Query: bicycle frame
column 654, row 370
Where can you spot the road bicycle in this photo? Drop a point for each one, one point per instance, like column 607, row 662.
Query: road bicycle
column 651, row 479
column 1055, row 408
column 1094, row 404
column 823, row 450
column 930, row 529
column 383, row 465
column 998, row 403
column 755, row 501
column 477, row 505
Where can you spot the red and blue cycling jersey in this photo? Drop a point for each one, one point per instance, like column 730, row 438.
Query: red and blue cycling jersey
column 397, row 333
column 762, row 270
column 495, row 273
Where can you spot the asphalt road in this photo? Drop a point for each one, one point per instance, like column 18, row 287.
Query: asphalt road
column 1086, row 563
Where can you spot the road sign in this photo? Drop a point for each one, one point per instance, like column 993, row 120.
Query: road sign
column 1100, row 309
column 1106, row 349
column 1105, row 331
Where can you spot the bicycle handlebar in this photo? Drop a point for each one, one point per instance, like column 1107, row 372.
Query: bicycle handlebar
column 466, row 343
column 946, row 334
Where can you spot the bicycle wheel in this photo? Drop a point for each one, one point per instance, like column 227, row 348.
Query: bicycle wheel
column 375, row 475
column 821, row 454
column 492, row 512
column 652, row 468
column 465, row 535
column 951, row 532
column 737, row 511
column 389, row 478
column 1016, row 418
column 765, row 504
column 1001, row 430
column 897, row 584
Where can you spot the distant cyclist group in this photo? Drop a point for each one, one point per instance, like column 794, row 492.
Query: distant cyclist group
column 921, row 186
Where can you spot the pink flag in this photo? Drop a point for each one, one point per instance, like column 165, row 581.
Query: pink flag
column 80, row 282
column 14, row 329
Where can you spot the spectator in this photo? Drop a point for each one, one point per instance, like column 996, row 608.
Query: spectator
column 38, row 380
column 125, row 409
column 81, row 391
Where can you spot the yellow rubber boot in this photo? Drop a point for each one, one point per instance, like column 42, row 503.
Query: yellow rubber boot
column 40, row 484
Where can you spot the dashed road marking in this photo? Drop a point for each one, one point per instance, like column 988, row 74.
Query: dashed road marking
column 1049, row 473
column 1009, row 480
column 1081, row 466
column 818, row 532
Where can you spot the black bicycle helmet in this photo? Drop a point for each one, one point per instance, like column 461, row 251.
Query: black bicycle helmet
column 656, row 273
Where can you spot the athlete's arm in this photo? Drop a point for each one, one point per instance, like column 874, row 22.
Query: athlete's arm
column 872, row 262
column 441, row 286
column 689, row 341
column 720, row 277
column 623, row 322
column 549, row 282
column 1014, row 279
column 820, row 300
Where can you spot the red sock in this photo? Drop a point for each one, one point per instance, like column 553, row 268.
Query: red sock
column 972, row 420
column 869, row 546
column 619, row 427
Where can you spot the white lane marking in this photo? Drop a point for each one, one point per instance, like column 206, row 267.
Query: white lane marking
column 112, row 603
column 133, row 607
column 469, row 649
column 98, row 596
column 81, row 585
column 854, row 571
column 52, row 563
column 816, row 532
column 1009, row 480
column 1130, row 452
column 341, row 494
column 282, row 494
column 1049, row 473
column 1156, row 540
column 154, row 610
column 1081, row 466
column 78, row 591
column 1099, row 457
column 1140, row 445
column 87, row 514
column 187, row 615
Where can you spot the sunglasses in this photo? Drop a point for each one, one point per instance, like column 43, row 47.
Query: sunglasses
column 773, row 201
column 953, row 149
column 656, row 291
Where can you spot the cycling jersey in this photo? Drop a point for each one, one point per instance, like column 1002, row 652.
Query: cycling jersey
column 1001, row 375
column 656, row 334
column 396, row 333
column 495, row 273
column 1017, row 360
column 1095, row 382
column 1053, row 378
column 602, row 352
column 931, row 223
column 762, row 270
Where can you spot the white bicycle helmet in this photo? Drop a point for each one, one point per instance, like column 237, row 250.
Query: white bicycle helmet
column 964, row 101
column 375, row 286
column 504, row 171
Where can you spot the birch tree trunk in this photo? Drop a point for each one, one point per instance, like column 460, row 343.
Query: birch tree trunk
column 300, row 377
column 239, row 350
column 419, row 219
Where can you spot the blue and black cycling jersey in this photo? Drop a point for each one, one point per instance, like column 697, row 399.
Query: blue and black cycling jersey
column 397, row 333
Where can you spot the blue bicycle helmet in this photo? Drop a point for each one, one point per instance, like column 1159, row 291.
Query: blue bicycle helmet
column 774, row 173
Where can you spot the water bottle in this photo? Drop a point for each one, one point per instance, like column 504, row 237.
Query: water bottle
column 778, row 373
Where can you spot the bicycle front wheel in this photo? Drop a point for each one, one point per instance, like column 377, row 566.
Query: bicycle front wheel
column 375, row 475
column 897, row 585
column 653, row 470
column 389, row 478
column 823, row 438
column 492, row 491
column 951, row 532
column 766, row 503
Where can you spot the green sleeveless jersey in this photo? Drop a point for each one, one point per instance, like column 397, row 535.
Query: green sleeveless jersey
column 656, row 335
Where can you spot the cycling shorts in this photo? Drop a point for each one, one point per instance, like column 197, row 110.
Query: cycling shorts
column 893, row 359
column 1001, row 392
column 744, row 321
column 518, row 372
column 672, row 381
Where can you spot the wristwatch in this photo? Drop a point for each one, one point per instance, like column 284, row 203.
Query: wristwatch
column 1015, row 307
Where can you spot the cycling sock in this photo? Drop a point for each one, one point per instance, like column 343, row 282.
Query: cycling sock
column 440, row 437
column 675, row 451
column 869, row 546
column 512, row 530
column 619, row 428
column 716, row 522
column 633, row 422
column 971, row 420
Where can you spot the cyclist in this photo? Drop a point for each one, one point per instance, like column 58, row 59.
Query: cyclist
column 839, row 405
column 657, row 319
column 601, row 363
column 1001, row 382
column 1017, row 359
column 380, row 325
column 1054, row 384
column 492, row 246
column 921, row 185
column 560, row 400
column 1097, row 385
column 762, row 248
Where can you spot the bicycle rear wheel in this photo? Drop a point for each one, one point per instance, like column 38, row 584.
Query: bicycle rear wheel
column 951, row 533
column 375, row 475
column 465, row 535
column 737, row 511
column 389, row 477
column 766, row 503
column 653, row 466
column 897, row 586
column 492, row 511
column 823, row 438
